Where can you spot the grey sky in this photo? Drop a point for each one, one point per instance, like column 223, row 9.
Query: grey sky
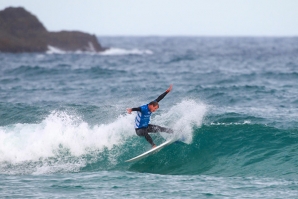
column 167, row 17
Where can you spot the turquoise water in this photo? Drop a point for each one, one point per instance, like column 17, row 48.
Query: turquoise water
column 64, row 131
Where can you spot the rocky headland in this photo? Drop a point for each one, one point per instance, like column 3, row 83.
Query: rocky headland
column 20, row 31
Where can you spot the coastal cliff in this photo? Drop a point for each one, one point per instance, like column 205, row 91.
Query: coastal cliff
column 20, row 31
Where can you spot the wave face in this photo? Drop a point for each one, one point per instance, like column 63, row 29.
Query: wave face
column 229, row 150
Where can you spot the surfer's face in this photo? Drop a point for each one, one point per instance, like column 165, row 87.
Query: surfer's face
column 152, row 108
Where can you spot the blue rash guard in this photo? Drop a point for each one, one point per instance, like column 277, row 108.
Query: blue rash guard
column 143, row 116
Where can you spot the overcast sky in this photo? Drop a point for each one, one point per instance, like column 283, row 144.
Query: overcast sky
column 166, row 17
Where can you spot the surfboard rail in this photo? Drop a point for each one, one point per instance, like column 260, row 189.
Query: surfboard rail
column 151, row 151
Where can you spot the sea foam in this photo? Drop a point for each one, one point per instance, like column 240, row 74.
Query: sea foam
column 119, row 51
column 182, row 117
column 58, row 139
column 108, row 52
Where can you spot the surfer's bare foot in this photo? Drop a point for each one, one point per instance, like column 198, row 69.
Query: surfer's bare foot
column 153, row 146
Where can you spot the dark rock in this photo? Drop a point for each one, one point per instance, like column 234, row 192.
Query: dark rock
column 74, row 40
column 20, row 31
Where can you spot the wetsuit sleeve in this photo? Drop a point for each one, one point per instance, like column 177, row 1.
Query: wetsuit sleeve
column 136, row 109
column 161, row 96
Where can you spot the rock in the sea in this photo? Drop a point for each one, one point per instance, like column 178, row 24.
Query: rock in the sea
column 20, row 31
column 73, row 41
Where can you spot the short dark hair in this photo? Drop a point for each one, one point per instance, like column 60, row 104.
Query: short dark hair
column 154, row 103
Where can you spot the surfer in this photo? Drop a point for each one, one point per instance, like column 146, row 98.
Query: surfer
column 142, row 120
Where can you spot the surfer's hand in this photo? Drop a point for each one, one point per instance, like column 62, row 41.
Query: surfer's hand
column 170, row 88
column 129, row 110
column 153, row 146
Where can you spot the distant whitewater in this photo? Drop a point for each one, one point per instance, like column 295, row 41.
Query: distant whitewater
column 91, row 51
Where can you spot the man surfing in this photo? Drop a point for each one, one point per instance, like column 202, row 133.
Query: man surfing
column 142, row 120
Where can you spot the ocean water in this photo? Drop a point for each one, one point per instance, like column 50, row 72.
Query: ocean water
column 65, row 133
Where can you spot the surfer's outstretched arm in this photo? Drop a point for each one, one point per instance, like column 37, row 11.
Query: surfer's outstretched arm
column 129, row 110
column 164, row 94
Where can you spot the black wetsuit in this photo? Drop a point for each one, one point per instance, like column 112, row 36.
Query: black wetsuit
column 150, row 128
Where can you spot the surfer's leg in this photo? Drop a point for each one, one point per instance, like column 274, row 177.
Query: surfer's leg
column 144, row 132
column 155, row 128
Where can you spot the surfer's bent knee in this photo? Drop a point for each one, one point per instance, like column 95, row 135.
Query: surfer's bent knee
column 141, row 132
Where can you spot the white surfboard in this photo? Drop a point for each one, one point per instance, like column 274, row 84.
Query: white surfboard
column 159, row 147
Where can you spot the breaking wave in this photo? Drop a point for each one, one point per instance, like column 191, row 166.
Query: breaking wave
column 63, row 142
